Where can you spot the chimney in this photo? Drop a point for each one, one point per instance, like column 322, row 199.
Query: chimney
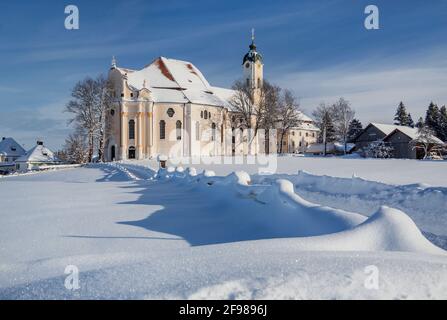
column 39, row 143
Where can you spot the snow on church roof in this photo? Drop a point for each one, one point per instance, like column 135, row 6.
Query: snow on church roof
column 171, row 80
column 40, row 154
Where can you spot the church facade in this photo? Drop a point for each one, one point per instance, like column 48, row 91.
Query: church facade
column 169, row 108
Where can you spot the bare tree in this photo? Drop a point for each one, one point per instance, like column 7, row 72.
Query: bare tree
column 91, row 100
column 75, row 148
column 253, row 107
column 288, row 115
column 323, row 116
column 343, row 115
column 426, row 141
column 104, row 105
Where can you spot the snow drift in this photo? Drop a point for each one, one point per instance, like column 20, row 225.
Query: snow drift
column 313, row 226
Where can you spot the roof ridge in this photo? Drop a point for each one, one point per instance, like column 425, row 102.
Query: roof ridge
column 175, row 80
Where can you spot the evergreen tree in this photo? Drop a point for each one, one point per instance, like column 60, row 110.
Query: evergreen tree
column 355, row 127
column 443, row 122
column 420, row 123
column 410, row 121
column 401, row 118
column 433, row 119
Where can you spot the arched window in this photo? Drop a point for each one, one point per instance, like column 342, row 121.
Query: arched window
column 259, row 82
column 201, row 114
column 205, row 114
column 213, row 132
column 178, row 129
column 131, row 129
column 197, row 131
column 162, row 129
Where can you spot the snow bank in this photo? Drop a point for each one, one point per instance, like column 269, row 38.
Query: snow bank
column 387, row 230
column 324, row 228
column 427, row 206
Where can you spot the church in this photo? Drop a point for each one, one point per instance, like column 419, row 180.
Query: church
column 169, row 108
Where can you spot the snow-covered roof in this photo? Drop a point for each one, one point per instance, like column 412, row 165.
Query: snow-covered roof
column 39, row 154
column 306, row 123
column 412, row 133
column 10, row 148
column 385, row 128
column 176, row 81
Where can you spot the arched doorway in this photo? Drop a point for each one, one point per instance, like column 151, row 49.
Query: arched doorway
column 131, row 153
column 112, row 153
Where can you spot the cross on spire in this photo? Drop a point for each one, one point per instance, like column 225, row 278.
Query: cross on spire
column 252, row 34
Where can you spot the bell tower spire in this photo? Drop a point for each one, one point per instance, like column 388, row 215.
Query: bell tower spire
column 252, row 66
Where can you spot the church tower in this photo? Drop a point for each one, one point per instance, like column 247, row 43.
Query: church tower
column 252, row 66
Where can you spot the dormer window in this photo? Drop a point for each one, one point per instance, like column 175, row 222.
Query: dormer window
column 13, row 149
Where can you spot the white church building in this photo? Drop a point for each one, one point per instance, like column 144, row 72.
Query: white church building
column 169, row 108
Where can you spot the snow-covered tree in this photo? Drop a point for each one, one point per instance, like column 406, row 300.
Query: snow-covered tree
column 426, row 141
column 420, row 123
column 379, row 149
column 343, row 115
column 323, row 117
column 91, row 99
column 75, row 148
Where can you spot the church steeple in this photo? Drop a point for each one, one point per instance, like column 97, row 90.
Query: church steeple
column 252, row 65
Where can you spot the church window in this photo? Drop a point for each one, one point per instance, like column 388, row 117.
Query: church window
column 197, row 131
column 122, row 95
column 170, row 112
column 247, row 65
column 131, row 94
column 259, row 82
column 112, row 112
column 307, row 134
column 205, row 114
column 213, row 132
column 178, row 127
column 201, row 114
column 162, row 130
column 132, row 129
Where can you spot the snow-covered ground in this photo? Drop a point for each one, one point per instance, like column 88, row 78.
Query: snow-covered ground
column 184, row 235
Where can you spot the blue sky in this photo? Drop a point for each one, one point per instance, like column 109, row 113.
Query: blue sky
column 319, row 49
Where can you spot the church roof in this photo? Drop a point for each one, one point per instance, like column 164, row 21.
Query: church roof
column 175, row 81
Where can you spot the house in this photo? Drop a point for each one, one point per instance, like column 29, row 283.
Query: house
column 36, row 158
column 372, row 132
column 169, row 107
column 403, row 140
column 298, row 138
column 10, row 150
